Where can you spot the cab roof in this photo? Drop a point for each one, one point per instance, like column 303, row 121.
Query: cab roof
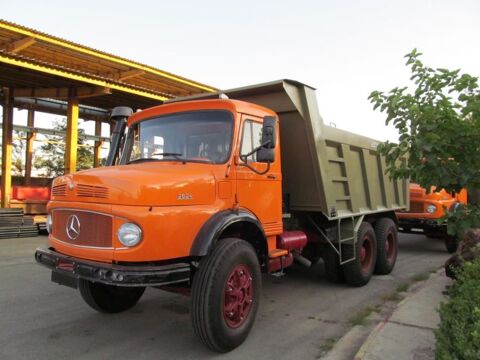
column 235, row 106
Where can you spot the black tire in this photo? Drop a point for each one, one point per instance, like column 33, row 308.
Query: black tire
column 333, row 269
column 358, row 272
column 218, row 329
column 107, row 298
column 387, row 245
column 451, row 243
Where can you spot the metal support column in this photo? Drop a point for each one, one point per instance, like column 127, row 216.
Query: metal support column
column 98, row 144
column 29, row 147
column 7, row 131
column 72, row 136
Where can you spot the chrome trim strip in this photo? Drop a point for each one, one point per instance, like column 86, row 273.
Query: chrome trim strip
column 82, row 210
column 82, row 246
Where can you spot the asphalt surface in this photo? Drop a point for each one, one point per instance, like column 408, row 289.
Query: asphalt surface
column 298, row 314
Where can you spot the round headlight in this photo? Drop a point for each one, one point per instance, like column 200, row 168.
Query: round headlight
column 431, row 209
column 129, row 234
column 49, row 223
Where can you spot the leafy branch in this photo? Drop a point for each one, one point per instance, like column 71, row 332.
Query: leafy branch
column 438, row 120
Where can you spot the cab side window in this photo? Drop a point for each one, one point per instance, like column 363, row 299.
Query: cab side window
column 251, row 138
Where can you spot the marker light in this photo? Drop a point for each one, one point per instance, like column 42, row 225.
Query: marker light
column 49, row 223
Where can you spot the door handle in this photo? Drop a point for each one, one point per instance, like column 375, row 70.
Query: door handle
column 271, row 176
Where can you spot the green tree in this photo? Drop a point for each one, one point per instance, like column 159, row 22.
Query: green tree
column 52, row 159
column 18, row 152
column 438, row 119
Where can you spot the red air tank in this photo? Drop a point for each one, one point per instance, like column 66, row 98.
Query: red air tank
column 292, row 240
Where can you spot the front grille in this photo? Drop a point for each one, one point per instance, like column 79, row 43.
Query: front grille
column 416, row 207
column 92, row 191
column 93, row 229
column 59, row 190
column 417, row 194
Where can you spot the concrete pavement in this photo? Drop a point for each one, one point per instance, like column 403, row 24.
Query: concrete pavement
column 405, row 333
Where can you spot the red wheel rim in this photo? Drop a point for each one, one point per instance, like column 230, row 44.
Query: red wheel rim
column 238, row 296
column 390, row 247
column 366, row 255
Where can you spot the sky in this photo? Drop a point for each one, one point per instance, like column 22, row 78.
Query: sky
column 344, row 49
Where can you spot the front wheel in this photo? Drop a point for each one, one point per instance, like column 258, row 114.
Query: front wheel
column 451, row 243
column 226, row 294
column 359, row 271
column 107, row 298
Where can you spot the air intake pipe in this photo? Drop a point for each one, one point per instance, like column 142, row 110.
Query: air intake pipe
column 119, row 116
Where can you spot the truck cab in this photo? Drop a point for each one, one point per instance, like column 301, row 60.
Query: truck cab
column 180, row 165
column 426, row 211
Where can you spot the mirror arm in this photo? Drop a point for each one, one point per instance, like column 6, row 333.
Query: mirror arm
column 245, row 156
column 245, row 161
column 255, row 170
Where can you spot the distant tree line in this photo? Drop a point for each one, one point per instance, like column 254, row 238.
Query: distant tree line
column 49, row 161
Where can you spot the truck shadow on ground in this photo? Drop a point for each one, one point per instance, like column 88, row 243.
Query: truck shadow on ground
column 419, row 243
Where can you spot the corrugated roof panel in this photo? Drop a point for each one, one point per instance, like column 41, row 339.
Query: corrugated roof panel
column 36, row 51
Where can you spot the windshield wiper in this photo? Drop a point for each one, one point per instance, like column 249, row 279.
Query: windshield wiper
column 142, row 159
column 175, row 155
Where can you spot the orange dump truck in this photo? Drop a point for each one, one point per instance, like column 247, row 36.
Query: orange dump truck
column 203, row 195
column 426, row 209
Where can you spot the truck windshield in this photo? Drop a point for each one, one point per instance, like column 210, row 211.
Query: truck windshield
column 197, row 136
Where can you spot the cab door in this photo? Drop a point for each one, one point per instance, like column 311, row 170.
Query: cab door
column 261, row 194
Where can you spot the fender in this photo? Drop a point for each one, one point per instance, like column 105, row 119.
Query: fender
column 213, row 228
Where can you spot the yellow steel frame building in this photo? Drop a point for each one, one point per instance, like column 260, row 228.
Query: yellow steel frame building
column 34, row 65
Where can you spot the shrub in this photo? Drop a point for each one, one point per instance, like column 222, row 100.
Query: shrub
column 458, row 336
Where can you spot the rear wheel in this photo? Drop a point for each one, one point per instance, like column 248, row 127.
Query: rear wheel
column 387, row 245
column 226, row 294
column 333, row 269
column 107, row 298
column 451, row 243
column 359, row 271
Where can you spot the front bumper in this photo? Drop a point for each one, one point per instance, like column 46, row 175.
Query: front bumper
column 67, row 270
column 407, row 225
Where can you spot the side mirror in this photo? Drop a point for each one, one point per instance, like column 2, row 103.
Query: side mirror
column 266, row 153
column 269, row 132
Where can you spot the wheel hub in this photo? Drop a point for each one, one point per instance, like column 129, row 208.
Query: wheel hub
column 366, row 256
column 362, row 254
column 238, row 296
column 390, row 247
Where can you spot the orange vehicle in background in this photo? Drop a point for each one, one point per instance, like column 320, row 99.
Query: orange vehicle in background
column 426, row 209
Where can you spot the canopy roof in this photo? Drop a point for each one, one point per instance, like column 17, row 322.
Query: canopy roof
column 38, row 65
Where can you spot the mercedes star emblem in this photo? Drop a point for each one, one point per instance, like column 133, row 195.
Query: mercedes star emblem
column 73, row 227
